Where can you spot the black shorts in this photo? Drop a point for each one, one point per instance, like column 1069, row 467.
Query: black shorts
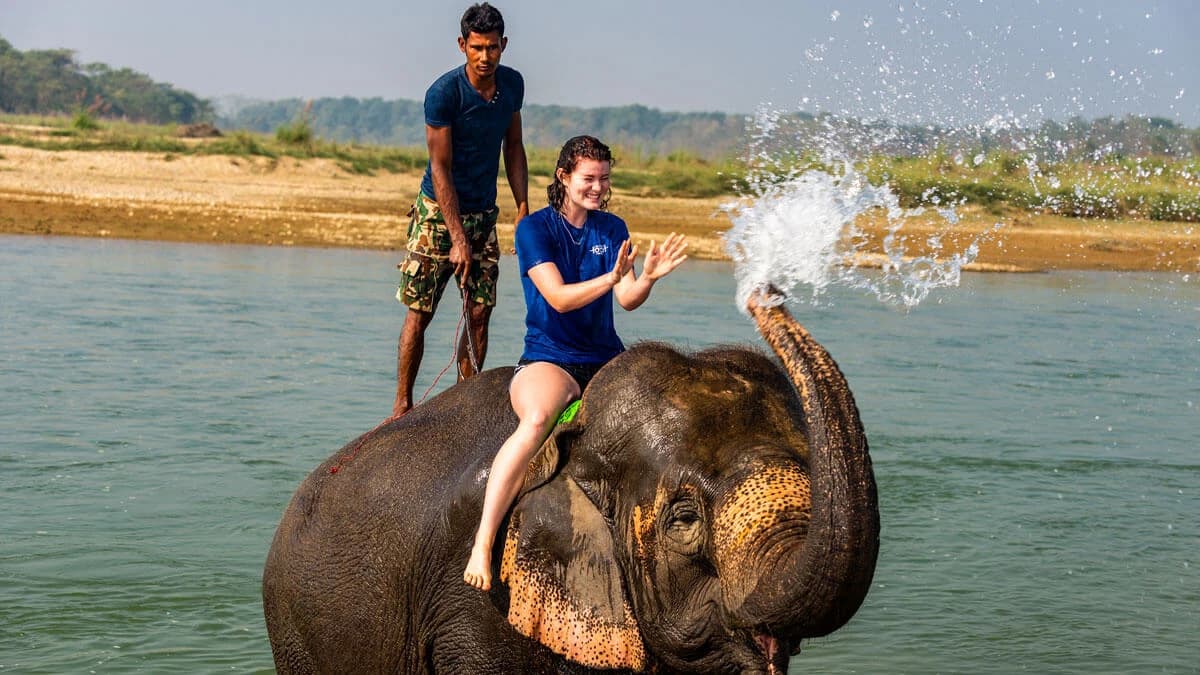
column 582, row 373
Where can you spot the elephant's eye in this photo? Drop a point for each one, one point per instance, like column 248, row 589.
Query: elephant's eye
column 684, row 517
column 685, row 528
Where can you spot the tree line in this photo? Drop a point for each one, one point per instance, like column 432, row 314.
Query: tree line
column 52, row 81
column 402, row 123
column 650, row 132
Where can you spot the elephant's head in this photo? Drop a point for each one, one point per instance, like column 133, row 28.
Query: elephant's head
column 702, row 512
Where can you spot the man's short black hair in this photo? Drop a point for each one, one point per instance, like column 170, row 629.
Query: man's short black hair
column 482, row 19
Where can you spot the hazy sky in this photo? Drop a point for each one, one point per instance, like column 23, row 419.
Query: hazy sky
column 939, row 62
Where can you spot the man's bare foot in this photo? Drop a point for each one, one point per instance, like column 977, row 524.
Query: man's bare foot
column 479, row 568
column 399, row 408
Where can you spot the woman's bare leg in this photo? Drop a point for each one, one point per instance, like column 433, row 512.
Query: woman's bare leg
column 539, row 393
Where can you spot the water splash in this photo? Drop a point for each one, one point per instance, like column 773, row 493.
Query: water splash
column 816, row 205
column 791, row 233
column 800, row 222
column 804, row 231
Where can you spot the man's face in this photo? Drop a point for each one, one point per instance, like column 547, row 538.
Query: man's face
column 483, row 52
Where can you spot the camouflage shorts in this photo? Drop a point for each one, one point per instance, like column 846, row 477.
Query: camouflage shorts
column 427, row 269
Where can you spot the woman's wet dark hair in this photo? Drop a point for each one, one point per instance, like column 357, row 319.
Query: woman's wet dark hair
column 580, row 147
column 482, row 19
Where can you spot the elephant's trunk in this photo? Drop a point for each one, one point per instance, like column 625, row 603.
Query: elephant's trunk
column 833, row 570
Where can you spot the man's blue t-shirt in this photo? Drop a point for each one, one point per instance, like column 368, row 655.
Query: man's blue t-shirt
column 477, row 129
column 585, row 335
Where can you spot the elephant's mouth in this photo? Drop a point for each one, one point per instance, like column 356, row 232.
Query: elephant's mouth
column 768, row 646
column 771, row 654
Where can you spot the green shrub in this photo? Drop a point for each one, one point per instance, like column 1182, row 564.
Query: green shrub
column 241, row 143
column 356, row 166
column 989, row 193
column 300, row 131
column 914, row 191
column 1175, row 207
column 1007, row 163
column 83, row 121
column 297, row 133
column 541, row 167
column 1081, row 203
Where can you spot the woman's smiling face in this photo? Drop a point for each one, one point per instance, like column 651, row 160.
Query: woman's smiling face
column 588, row 185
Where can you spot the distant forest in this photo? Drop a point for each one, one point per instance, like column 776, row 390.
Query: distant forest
column 652, row 133
column 402, row 122
column 53, row 82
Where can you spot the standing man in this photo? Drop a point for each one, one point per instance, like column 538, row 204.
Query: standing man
column 471, row 113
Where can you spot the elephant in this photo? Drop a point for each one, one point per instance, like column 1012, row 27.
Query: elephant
column 702, row 513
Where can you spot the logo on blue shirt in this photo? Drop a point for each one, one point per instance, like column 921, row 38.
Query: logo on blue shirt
column 600, row 249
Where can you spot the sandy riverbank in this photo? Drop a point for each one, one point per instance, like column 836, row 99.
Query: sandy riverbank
column 220, row 199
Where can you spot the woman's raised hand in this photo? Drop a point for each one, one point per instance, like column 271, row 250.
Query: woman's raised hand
column 624, row 262
column 661, row 260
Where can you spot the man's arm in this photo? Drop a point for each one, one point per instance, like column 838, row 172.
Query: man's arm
column 516, row 167
column 440, row 156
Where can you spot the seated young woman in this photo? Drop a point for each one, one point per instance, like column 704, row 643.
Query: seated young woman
column 574, row 258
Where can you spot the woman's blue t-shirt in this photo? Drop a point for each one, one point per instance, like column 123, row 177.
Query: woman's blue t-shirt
column 585, row 335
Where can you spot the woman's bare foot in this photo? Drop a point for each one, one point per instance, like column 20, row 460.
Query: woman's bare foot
column 479, row 568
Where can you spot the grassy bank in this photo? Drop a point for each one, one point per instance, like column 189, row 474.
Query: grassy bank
column 59, row 177
column 677, row 175
column 1105, row 187
column 83, row 133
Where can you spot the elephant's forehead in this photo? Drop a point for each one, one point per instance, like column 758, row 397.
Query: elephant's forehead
column 766, row 497
column 714, row 430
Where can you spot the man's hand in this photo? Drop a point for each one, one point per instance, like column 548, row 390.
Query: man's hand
column 460, row 257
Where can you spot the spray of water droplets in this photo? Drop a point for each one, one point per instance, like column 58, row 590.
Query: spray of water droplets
column 798, row 224
column 923, row 84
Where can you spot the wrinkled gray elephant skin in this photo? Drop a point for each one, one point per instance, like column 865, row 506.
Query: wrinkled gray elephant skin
column 702, row 513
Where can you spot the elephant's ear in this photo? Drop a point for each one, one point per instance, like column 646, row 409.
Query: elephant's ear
column 564, row 585
column 548, row 460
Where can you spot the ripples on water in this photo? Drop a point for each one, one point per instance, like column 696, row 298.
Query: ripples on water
column 1033, row 437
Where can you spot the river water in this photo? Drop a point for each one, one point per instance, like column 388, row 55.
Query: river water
column 1035, row 440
